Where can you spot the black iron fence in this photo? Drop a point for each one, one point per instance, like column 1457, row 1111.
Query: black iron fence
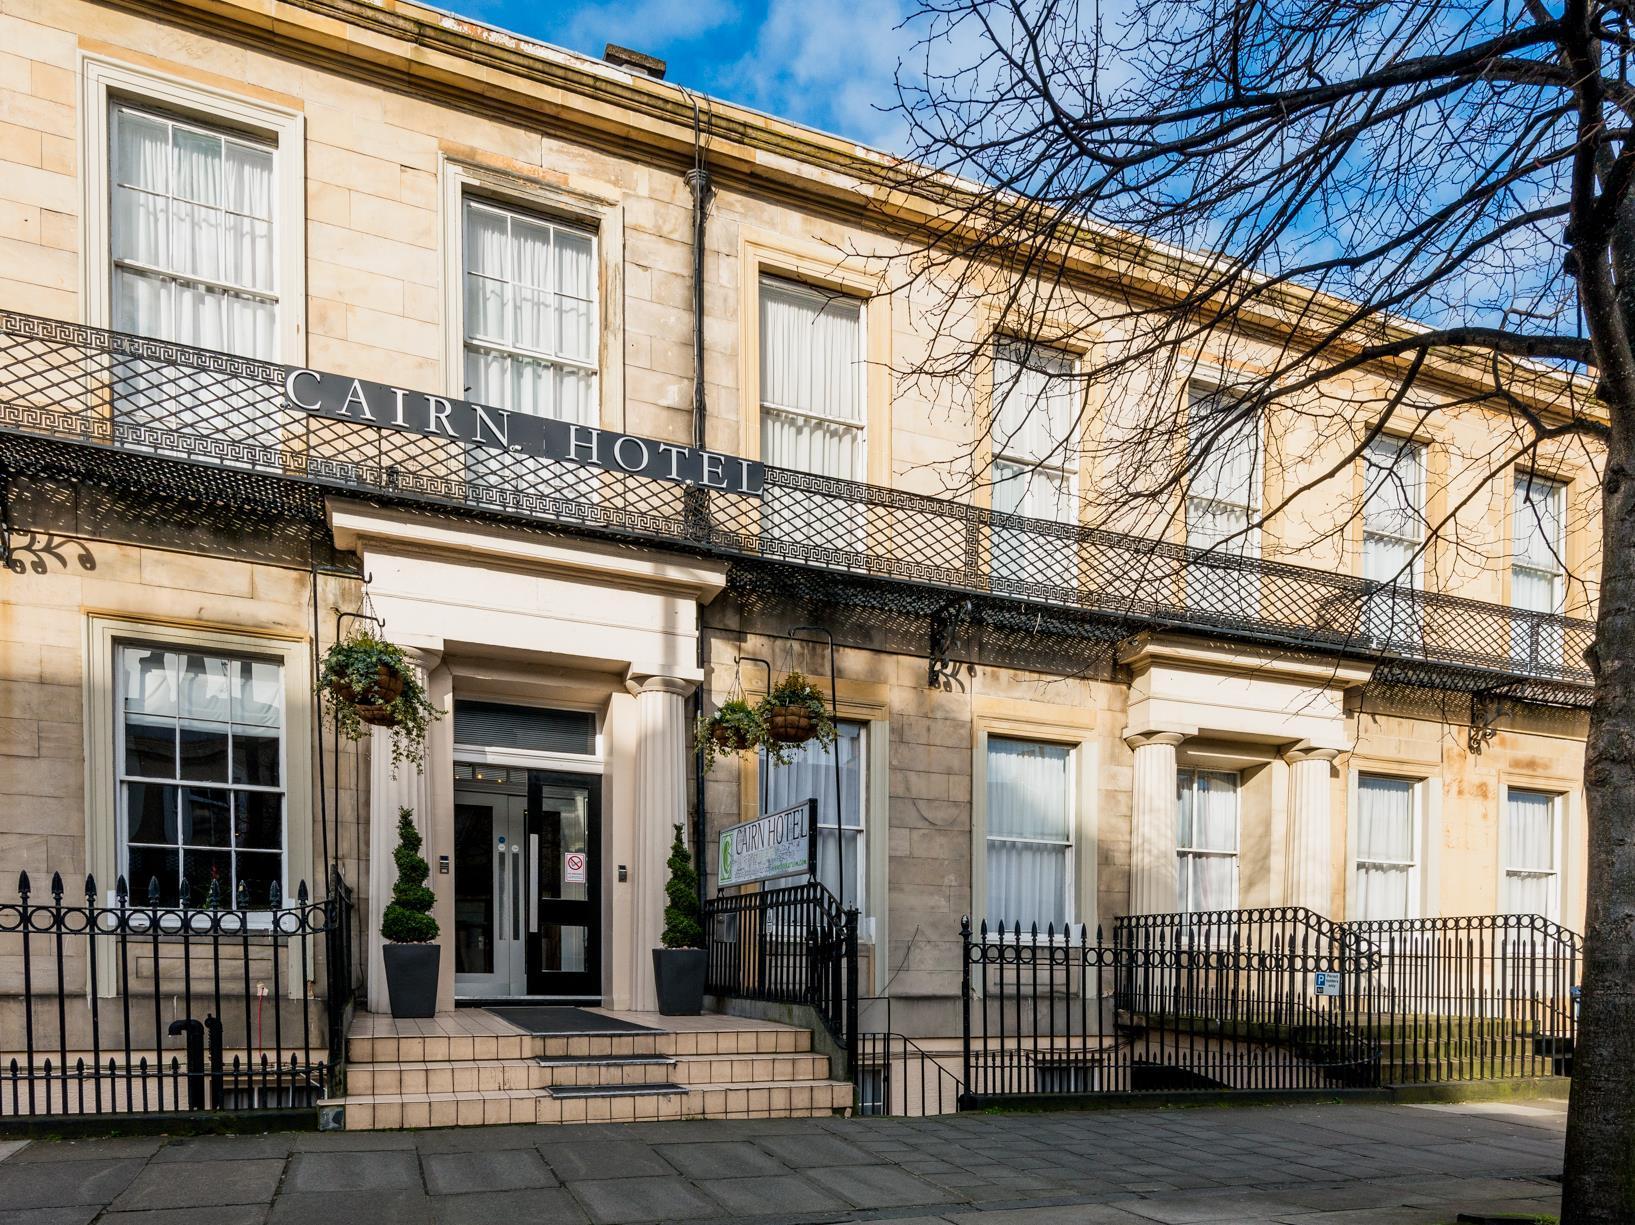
column 894, row 1074
column 154, row 402
column 791, row 945
column 130, row 1006
column 1268, row 1000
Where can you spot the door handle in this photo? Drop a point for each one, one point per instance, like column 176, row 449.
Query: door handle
column 516, row 889
column 533, row 883
column 499, row 910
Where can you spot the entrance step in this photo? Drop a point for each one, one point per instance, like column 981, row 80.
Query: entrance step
column 473, row 1068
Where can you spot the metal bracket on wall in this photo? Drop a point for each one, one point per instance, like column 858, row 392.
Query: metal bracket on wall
column 1486, row 709
column 942, row 669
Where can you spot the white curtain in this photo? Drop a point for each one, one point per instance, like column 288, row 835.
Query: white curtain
column 1386, row 855
column 1030, row 834
column 530, row 315
column 1034, row 415
column 1527, row 849
column 1536, row 570
column 192, row 236
column 812, row 409
column 1206, row 839
column 1222, row 497
column 811, row 775
column 1393, row 523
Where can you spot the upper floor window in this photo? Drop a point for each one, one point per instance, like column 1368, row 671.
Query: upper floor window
column 1386, row 841
column 1206, row 839
column 1223, row 500
column 1393, row 533
column 1035, row 417
column 201, row 774
column 1030, row 833
column 1528, row 844
column 813, row 403
column 1537, row 571
column 193, row 238
column 530, row 314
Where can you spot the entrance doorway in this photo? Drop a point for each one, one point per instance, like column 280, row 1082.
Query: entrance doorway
column 527, row 884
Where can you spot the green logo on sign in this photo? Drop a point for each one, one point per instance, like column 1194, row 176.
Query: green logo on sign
column 726, row 858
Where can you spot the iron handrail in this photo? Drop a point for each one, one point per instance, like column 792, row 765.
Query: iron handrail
column 160, row 402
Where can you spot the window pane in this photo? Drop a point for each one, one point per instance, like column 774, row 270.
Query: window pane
column 259, row 822
column 811, row 351
column 150, row 813
column 1385, row 819
column 206, row 817
column 1223, row 443
column 1383, row 892
column 150, row 748
column 197, row 167
column 205, row 689
column 1027, row 883
column 1529, row 831
column 248, row 177
column 255, row 756
column 1538, row 523
column 257, row 873
column 202, row 750
column 147, row 864
column 257, row 692
column 195, row 241
column 1207, row 810
column 1393, row 488
column 141, row 151
column 1028, row 789
column 148, row 680
column 1035, row 404
column 200, row 868
column 140, row 227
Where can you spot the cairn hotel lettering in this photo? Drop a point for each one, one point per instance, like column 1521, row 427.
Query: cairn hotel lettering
column 419, row 412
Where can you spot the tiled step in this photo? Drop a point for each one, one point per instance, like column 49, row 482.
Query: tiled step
column 661, row 1089
column 751, row 1100
column 542, row 1073
column 626, row 1045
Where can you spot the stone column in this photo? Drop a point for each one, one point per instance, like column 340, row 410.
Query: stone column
column 661, row 789
column 1153, row 871
column 1308, row 843
column 390, row 789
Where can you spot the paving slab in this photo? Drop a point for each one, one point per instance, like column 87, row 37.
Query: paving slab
column 586, row 1159
column 879, row 1186
column 46, row 1185
column 387, row 1170
column 505, row 1170
column 352, row 1208
column 725, row 1159
column 222, row 1214
column 538, row 1206
column 622, row 1201
column 228, row 1148
column 190, row 1184
column 1060, row 1214
column 803, row 1149
column 78, row 1215
column 89, row 1150
column 771, row 1195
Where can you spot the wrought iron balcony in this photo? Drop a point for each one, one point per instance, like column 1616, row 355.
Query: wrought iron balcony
column 91, row 400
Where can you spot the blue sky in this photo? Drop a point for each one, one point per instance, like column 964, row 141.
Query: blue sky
column 828, row 63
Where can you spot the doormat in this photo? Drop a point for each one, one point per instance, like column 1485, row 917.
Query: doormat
column 548, row 1020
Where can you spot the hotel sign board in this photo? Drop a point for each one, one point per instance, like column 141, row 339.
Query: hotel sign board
column 781, row 843
column 465, row 421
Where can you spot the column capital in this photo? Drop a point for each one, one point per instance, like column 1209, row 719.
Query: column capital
column 674, row 685
column 1307, row 752
column 423, row 658
column 1140, row 740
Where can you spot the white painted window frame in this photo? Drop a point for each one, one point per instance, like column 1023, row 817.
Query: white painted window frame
column 1416, row 839
column 1235, row 854
column 1558, row 822
column 860, row 428
column 1081, row 877
column 105, row 82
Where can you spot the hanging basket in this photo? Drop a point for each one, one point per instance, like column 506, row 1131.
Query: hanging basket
column 373, row 703
column 790, row 724
column 730, row 739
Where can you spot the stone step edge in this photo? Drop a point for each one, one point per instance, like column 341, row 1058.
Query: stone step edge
column 370, row 1099
column 568, row 1093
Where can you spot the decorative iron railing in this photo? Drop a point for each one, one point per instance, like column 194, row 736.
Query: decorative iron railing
column 794, row 945
column 126, row 1007
column 152, row 400
column 1277, row 999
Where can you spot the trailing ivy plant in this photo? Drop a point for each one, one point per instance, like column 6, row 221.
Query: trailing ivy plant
column 407, row 918
column 733, row 728
column 683, row 921
column 797, row 695
column 365, row 680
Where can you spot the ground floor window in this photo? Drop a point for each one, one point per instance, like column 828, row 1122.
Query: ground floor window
column 842, row 852
column 1206, row 839
column 200, row 757
column 1527, row 853
column 1387, row 864
column 1030, row 832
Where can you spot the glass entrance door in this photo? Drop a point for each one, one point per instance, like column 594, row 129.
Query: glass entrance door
column 527, row 884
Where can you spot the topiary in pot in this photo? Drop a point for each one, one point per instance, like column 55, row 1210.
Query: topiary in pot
column 733, row 728
column 679, row 967
column 794, row 712
column 411, row 957
column 367, row 681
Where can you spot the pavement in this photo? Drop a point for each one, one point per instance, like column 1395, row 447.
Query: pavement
column 1300, row 1165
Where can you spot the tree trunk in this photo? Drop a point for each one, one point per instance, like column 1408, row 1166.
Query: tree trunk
column 1599, row 1187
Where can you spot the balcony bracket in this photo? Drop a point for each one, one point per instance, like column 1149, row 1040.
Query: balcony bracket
column 942, row 669
column 1487, row 707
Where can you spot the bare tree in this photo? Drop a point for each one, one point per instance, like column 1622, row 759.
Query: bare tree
column 1354, row 217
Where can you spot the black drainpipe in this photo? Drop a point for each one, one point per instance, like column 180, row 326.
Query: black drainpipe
column 698, row 184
